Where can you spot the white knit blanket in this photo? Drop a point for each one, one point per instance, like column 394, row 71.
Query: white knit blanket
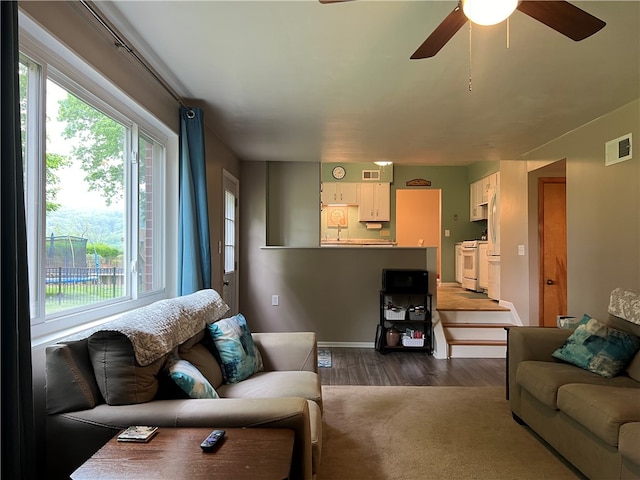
column 625, row 304
column 158, row 328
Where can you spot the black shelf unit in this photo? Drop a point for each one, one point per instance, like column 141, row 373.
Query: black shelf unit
column 412, row 320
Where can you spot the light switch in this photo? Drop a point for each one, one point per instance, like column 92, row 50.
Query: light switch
column 447, row 233
column 520, row 249
column 275, row 300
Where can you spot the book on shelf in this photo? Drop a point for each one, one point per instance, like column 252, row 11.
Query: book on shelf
column 138, row 433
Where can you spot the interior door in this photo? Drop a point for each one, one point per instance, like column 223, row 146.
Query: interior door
column 230, row 236
column 552, row 218
column 418, row 218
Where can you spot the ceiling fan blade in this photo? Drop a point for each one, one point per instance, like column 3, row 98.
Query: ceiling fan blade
column 333, row 1
column 441, row 35
column 563, row 17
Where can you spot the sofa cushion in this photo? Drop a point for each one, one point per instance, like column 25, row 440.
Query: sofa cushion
column 239, row 356
column 598, row 348
column 600, row 409
column 204, row 361
column 274, row 385
column 543, row 379
column 629, row 441
column 70, row 382
column 189, row 378
column 121, row 380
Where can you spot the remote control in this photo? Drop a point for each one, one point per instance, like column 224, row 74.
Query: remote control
column 212, row 440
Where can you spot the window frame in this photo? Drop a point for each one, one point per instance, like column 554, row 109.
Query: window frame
column 59, row 64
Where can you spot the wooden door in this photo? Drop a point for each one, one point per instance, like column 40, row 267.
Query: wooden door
column 418, row 219
column 231, row 229
column 552, row 224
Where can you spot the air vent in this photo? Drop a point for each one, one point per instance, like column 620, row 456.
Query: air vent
column 618, row 150
column 370, row 174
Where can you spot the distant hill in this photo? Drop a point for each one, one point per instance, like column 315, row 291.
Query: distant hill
column 99, row 226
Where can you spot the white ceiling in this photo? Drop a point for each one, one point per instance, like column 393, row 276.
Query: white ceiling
column 302, row 81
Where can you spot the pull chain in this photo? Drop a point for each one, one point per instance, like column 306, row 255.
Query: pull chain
column 508, row 32
column 470, row 84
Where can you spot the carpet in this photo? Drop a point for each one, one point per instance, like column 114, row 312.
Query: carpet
column 324, row 358
column 423, row 433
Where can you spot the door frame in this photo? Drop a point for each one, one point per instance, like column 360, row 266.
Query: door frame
column 541, row 249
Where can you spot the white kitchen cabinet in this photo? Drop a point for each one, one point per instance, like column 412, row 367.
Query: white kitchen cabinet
column 489, row 182
column 374, row 202
column 339, row 193
column 478, row 210
column 479, row 196
column 483, row 266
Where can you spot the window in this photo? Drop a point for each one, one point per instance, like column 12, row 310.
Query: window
column 94, row 172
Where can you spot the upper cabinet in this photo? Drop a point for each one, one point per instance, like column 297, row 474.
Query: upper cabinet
column 477, row 210
column 479, row 196
column 339, row 193
column 375, row 205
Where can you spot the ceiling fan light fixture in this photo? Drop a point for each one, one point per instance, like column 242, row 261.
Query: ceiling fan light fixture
column 382, row 163
column 488, row 12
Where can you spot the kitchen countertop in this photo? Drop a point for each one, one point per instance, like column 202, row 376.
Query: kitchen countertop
column 356, row 242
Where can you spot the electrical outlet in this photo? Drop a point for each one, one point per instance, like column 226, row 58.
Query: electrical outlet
column 275, row 300
column 520, row 249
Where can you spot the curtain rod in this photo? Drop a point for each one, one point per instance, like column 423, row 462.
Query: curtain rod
column 120, row 43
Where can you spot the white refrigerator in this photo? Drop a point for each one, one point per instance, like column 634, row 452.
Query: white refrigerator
column 493, row 243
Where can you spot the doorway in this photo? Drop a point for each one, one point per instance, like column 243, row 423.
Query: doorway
column 552, row 228
column 418, row 221
column 230, row 232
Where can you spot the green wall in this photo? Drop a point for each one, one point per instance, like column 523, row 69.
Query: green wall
column 454, row 185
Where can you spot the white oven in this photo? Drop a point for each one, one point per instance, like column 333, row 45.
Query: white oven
column 470, row 268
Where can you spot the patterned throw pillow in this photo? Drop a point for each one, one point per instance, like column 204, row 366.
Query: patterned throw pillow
column 239, row 356
column 189, row 378
column 598, row 348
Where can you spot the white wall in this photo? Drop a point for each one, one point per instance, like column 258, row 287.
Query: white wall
column 603, row 214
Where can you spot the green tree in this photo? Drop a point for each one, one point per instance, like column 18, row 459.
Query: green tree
column 99, row 146
column 54, row 162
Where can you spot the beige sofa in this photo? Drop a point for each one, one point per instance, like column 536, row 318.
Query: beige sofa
column 103, row 380
column 592, row 421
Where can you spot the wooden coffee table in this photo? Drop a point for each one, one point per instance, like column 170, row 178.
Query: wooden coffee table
column 175, row 453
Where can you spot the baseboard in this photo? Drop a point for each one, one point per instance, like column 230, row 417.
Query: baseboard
column 346, row 344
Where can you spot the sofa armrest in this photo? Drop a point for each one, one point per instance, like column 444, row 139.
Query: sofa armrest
column 288, row 351
column 86, row 431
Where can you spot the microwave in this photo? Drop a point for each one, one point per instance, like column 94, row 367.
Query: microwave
column 405, row 281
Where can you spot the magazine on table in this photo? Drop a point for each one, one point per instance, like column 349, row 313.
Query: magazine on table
column 138, row 433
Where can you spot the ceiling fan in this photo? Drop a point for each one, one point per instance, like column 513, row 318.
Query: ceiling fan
column 559, row 15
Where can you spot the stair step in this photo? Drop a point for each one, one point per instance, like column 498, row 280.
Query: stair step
column 475, row 325
column 484, row 343
column 502, row 343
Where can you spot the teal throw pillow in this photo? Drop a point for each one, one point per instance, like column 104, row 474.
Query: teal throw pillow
column 190, row 379
column 239, row 356
column 598, row 348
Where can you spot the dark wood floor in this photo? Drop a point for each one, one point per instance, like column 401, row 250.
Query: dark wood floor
column 366, row 366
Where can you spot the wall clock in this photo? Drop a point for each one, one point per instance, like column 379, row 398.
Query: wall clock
column 338, row 172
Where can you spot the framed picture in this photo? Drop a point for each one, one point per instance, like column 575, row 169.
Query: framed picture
column 337, row 217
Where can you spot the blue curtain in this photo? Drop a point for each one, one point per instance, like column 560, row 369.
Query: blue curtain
column 16, row 390
column 194, row 254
